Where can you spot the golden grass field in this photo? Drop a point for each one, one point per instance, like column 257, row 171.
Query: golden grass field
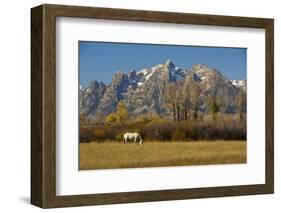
column 111, row 155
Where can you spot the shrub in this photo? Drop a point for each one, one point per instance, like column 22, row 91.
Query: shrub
column 112, row 117
column 167, row 130
column 178, row 135
column 119, row 137
column 145, row 120
column 85, row 135
column 159, row 132
column 99, row 134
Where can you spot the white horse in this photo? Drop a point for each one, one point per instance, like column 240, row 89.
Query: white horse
column 128, row 136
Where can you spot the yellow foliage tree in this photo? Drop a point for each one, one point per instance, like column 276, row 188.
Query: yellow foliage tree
column 120, row 115
column 112, row 118
column 122, row 111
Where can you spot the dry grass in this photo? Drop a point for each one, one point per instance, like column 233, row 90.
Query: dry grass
column 110, row 155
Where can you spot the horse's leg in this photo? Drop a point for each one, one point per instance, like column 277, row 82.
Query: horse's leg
column 135, row 140
column 140, row 140
column 125, row 140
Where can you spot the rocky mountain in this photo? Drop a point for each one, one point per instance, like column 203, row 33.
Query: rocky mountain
column 145, row 91
column 90, row 98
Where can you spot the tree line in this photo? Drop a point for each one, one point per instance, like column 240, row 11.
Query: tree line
column 182, row 103
column 185, row 100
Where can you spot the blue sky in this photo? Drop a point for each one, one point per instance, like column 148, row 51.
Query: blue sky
column 100, row 60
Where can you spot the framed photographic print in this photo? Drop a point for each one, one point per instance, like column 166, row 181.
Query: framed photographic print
column 137, row 106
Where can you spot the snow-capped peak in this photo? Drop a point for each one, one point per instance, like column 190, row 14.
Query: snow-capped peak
column 167, row 68
column 148, row 72
column 239, row 83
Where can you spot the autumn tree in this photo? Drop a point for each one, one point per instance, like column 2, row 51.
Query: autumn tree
column 185, row 100
column 178, row 105
column 177, row 100
column 241, row 104
column 180, row 99
column 213, row 103
column 194, row 95
column 112, row 118
column 170, row 98
column 121, row 114
column 122, row 111
column 214, row 109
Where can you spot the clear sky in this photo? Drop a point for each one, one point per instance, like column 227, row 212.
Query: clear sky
column 100, row 60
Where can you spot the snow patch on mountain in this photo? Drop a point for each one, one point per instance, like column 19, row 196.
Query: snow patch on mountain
column 238, row 83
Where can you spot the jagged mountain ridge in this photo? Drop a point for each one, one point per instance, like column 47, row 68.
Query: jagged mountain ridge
column 144, row 91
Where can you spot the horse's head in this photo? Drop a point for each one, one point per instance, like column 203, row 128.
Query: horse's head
column 141, row 139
